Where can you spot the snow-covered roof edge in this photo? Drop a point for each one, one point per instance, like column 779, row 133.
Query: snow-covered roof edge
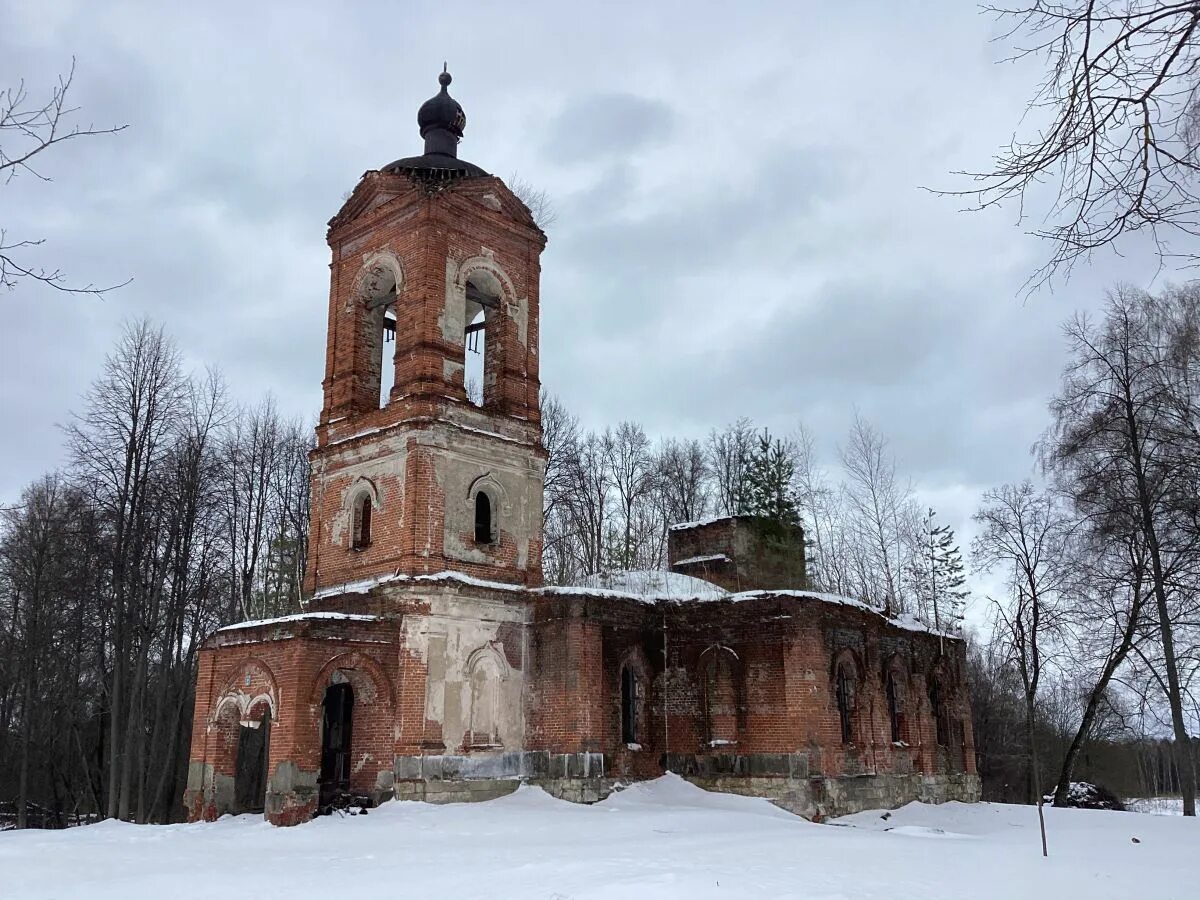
column 300, row 617
column 711, row 520
column 905, row 622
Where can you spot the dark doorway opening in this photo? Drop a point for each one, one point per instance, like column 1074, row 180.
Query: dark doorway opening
column 250, row 778
column 336, row 728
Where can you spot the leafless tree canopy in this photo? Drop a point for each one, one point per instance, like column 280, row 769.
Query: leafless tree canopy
column 176, row 514
column 1100, row 617
column 538, row 200
column 28, row 129
column 1114, row 126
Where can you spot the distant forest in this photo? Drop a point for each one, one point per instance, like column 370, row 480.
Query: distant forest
column 179, row 512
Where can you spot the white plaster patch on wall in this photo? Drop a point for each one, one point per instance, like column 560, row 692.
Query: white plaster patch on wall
column 454, row 309
column 519, row 313
column 463, row 629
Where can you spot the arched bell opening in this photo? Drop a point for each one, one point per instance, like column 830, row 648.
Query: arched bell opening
column 481, row 337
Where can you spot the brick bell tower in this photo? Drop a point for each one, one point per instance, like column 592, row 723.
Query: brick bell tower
column 429, row 454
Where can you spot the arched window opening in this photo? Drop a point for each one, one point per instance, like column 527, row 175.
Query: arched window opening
column 846, row 701
column 473, row 365
column 362, row 522
column 720, row 700
column 482, row 303
column 937, row 707
column 387, row 354
column 895, row 706
column 631, row 705
column 484, row 520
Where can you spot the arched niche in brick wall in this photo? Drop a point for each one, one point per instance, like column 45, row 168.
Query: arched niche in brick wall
column 847, row 686
column 486, row 671
column 899, row 700
column 721, row 695
column 633, row 682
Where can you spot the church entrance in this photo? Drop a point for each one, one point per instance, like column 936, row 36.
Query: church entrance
column 250, row 778
column 336, row 729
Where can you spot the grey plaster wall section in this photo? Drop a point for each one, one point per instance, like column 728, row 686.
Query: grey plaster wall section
column 516, row 490
column 289, row 787
column 387, row 463
column 459, row 639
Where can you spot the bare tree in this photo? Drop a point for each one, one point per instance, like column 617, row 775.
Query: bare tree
column 541, row 207
column 117, row 445
column 630, row 464
column 1024, row 532
column 877, row 502
column 682, row 475
column 1121, row 110
column 729, row 453
column 1104, row 615
column 1118, row 429
column 28, row 129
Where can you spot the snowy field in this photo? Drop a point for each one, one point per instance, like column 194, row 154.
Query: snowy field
column 661, row 839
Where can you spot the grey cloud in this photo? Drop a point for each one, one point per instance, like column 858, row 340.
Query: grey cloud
column 601, row 126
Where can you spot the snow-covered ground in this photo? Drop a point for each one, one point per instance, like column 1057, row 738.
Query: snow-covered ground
column 661, row 839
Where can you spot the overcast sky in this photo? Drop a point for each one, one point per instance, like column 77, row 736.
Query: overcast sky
column 741, row 227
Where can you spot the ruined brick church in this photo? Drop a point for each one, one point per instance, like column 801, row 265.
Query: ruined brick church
column 431, row 662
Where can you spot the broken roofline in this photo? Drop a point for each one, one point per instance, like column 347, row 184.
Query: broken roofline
column 905, row 622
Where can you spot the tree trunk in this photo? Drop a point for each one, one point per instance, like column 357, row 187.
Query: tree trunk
column 1093, row 706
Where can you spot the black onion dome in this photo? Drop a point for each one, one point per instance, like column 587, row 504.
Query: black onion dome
column 442, row 111
column 442, row 122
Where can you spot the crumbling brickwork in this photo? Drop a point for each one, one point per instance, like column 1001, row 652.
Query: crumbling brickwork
column 739, row 553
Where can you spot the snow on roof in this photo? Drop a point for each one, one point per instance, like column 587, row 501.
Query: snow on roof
column 644, row 585
column 366, row 585
column 301, row 617
column 711, row 520
column 696, row 560
column 652, row 585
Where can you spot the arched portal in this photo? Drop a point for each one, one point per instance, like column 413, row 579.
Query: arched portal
column 250, row 778
column 337, row 727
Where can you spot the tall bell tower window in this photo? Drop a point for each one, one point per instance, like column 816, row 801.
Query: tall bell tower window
column 484, row 531
column 362, row 522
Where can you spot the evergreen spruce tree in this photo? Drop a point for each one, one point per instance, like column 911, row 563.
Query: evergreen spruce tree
column 770, row 480
column 938, row 575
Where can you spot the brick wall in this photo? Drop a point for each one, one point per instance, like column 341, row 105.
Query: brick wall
column 740, row 553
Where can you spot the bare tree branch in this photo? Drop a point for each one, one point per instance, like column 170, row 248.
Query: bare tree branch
column 28, row 130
